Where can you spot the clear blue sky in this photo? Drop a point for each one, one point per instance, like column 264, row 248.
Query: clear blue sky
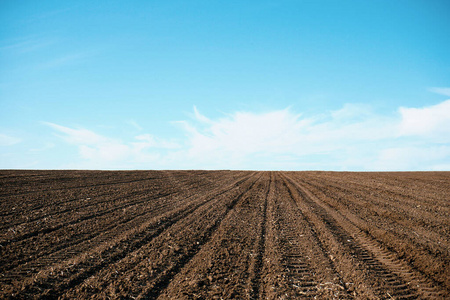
column 330, row 85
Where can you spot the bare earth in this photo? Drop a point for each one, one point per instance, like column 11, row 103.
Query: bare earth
column 224, row 234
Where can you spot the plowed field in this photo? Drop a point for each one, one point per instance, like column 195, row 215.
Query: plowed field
column 224, row 234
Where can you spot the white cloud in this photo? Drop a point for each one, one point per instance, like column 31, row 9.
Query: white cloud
column 101, row 152
column 7, row 140
column 147, row 138
column 281, row 138
column 245, row 133
column 351, row 112
column 351, row 138
column 200, row 117
column 432, row 121
column 96, row 148
column 108, row 152
column 78, row 136
column 427, row 158
column 149, row 141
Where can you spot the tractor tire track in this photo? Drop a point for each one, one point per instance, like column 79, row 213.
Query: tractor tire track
column 395, row 277
column 256, row 292
column 311, row 272
column 431, row 255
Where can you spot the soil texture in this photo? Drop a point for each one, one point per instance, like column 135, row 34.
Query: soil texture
column 224, row 235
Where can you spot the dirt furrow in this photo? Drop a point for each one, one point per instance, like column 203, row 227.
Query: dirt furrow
column 106, row 250
column 33, row 263
column 309, row 269
column 224, row 235
column 108, row 184
column 135, row 257
column 84, row 206
column 401, row 210
column 226, row 265
column 54, row 199
column 430, row 263
column 101, row 208
column 395, row 230
column 79, row 203
column 256, row 292
column 427, row 187
column 154, row 288
column 402, row 283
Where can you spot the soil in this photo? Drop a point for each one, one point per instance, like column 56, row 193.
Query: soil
column 224, row 235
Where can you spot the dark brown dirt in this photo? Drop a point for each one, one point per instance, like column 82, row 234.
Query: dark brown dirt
column 224, row 235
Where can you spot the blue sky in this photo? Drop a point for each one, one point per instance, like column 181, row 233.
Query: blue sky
column 267, row 85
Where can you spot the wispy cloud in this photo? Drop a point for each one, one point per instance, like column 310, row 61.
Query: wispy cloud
column 64, row 60
column 200, row 117
column 78, row 136
column 45, row 147
column 134, row 124
column 147, row 140
column 26, row 44
column 7, row 140
column 351, row 138
column 441, row 90
column 98, row 151
column 50, row 14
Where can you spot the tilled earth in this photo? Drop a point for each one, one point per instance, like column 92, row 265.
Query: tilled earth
column 224, row 234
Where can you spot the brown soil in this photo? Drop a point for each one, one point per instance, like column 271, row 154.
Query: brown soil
column 224, row 234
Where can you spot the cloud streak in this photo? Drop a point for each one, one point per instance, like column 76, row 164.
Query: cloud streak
column 7, row 140
column 26, row 44
column 441, row 90
column 64, row 60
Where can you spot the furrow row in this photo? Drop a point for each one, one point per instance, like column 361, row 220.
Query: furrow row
column 224, row 235
column 155, row 287
column 391, row 249
column 311, row 272
column 83, row 208
column 227, row 264
column 115, row 221
column 55, row 280
column 256, row 291
column 389, row 281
